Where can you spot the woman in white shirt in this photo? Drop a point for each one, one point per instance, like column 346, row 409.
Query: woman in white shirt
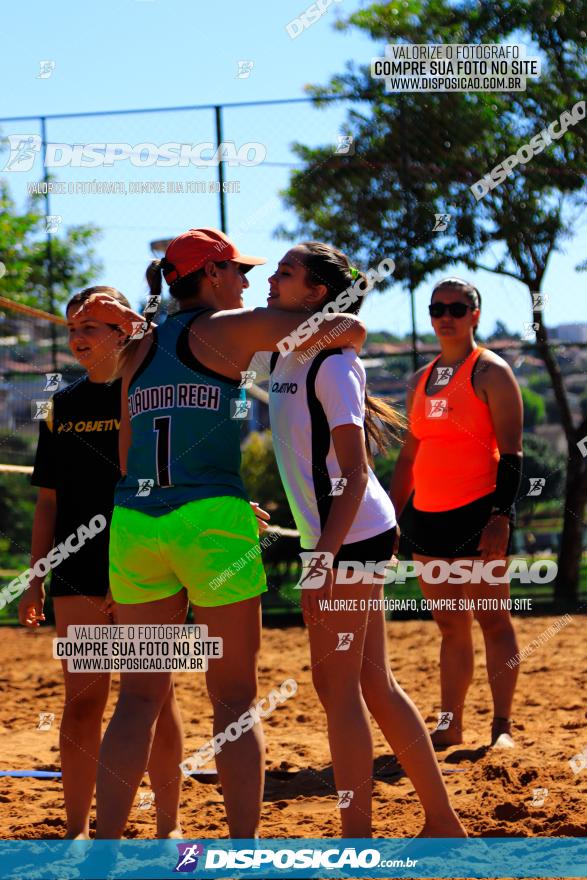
column 321, row 439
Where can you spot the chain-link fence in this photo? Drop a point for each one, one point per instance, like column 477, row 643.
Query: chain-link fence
column 29, row 375
column 140, row 177
column 143, row 176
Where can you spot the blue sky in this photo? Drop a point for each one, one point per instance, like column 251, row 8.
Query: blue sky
column 126, row 54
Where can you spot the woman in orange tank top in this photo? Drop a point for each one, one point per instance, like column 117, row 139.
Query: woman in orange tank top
column 462, row 461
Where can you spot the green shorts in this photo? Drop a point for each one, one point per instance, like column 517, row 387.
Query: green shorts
column 210, row 547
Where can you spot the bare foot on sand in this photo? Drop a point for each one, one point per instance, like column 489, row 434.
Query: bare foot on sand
column 442, row 739
column 447, row 826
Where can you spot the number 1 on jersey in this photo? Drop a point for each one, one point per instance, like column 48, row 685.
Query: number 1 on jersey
column 162, row 425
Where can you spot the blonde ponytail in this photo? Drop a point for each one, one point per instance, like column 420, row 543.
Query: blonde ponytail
column 383, row 424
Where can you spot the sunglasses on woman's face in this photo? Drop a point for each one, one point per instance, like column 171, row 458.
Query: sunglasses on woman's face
column 455, row 310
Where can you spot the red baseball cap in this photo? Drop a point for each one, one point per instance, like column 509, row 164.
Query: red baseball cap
column 190, row 251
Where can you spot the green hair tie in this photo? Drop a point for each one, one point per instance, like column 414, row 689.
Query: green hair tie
column 355, row 273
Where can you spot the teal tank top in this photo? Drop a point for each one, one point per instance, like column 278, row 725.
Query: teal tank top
column 185, row 437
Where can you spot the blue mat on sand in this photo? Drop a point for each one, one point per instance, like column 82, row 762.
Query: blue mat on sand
column 36, row 774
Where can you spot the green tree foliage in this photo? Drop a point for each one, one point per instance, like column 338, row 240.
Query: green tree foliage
column 384, row 465
column 17, row 507
column 261, row 478
column 383, row 336
column 534, row 408
column 23, row 250
column 541, row 460
column 418, row 154
column 500, row 332
column 539, row 382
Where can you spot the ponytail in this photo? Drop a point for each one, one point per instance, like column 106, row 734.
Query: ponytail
column 383, row 425
column 154, row 273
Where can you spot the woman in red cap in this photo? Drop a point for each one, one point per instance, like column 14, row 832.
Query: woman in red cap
column 193, row 535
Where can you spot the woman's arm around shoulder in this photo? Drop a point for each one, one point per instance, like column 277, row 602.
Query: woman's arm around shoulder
column 237, row 334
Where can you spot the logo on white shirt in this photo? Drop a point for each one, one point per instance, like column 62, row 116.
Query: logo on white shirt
column 284, row 387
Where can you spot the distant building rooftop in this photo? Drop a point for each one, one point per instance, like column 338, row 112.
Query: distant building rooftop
column 575, row 332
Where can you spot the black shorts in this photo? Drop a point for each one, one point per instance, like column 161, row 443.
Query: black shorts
column 379, row 548
column 450, row 534
column 84, row 573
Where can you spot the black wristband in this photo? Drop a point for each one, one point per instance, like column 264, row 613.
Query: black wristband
column 509, row 476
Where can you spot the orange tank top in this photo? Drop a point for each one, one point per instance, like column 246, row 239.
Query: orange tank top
column 456, row 461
